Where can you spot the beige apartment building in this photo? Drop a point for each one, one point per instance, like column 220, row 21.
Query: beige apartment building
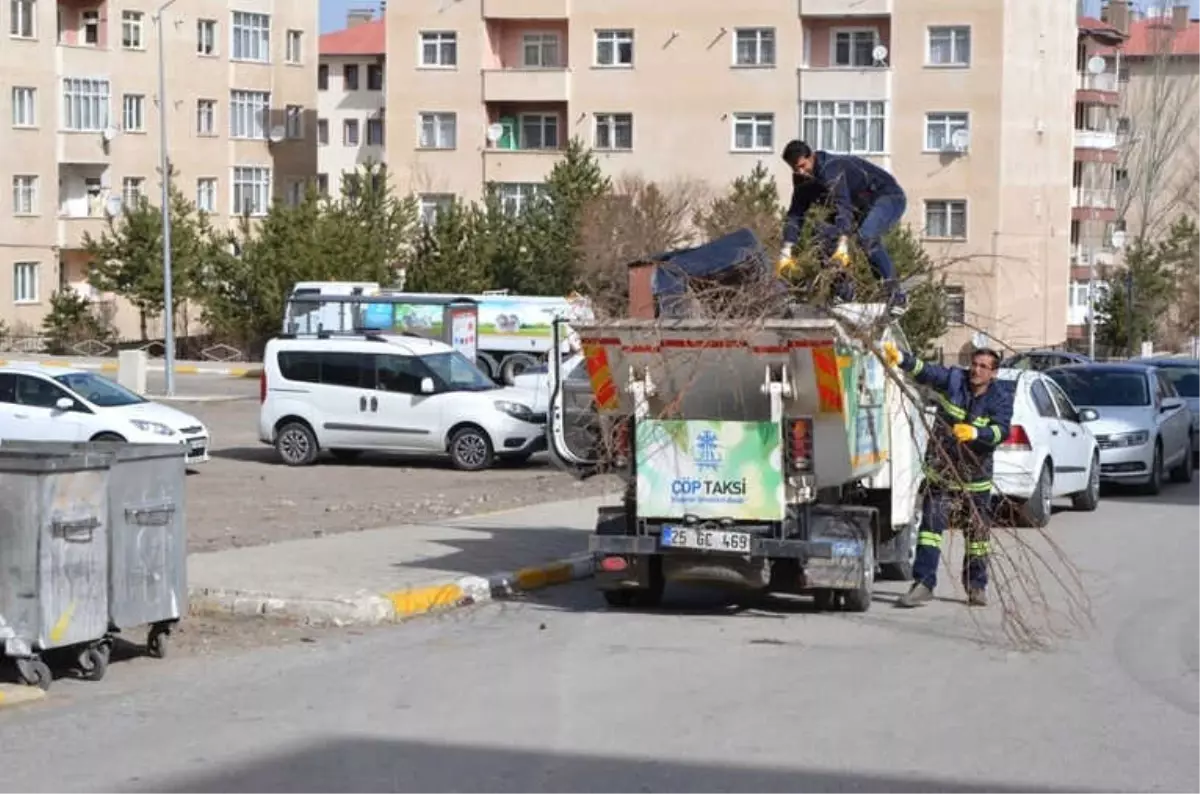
column 350, row 98
column 80, row 115
column 968, row 103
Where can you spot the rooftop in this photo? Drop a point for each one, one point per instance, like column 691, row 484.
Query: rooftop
column 366, row 38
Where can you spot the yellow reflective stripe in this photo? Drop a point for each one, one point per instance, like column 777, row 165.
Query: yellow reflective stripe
column 997, row 436
column 977, row 487
column 950, row 408
column 929, row 539
column 933, row 476
column 979, row 549
column 981, row 421
column 918, row 365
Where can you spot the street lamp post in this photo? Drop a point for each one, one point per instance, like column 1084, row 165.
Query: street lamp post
column 164, row 168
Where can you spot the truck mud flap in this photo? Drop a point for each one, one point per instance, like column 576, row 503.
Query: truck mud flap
column 849, row 533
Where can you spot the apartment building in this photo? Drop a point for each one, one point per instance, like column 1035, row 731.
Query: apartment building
column 969, row 104
column 240, row 104
column 350, row 98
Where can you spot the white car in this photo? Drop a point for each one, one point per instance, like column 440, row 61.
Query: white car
column 536, row 380
column 39, row 403
column 390, row 393
column 1050, row 452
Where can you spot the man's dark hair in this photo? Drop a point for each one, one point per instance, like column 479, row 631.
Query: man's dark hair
column 987, row 351
column 794, row 151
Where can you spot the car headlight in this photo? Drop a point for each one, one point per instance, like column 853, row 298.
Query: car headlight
column 158, row 428
column 515, row 410
column 1135, row 439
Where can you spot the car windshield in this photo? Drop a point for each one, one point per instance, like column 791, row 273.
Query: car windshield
column 457, row 372
column 1186, row 380
column 99, row 390
column 1103, row 387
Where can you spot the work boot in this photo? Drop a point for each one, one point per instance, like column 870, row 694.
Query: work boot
column 918, row 595
column 898, row 303
column 977, row 597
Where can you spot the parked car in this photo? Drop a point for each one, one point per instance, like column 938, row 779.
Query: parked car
column 537, row 380
column 39, row 403
column 1184, row 374
column 1042, row 360
column 1050, row 452
column 389, row 393
column 1144, row 426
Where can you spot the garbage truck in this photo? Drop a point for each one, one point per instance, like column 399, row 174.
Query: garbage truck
column 770, row 453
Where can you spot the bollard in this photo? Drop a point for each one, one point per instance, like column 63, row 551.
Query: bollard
column 131, row 370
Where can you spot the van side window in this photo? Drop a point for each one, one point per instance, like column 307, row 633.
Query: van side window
column 356, row 370
column 301, row 366
column 399, row 374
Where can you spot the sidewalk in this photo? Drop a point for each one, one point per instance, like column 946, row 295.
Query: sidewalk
column 383, row 575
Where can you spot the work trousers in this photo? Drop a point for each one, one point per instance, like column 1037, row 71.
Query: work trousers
column 971, row 512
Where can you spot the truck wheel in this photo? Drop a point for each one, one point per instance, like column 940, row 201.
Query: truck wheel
column 859, row 599
column 514, row 365
column 639, row 598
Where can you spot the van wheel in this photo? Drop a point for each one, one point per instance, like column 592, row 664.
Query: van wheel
column 471, row 449
column 296, row 444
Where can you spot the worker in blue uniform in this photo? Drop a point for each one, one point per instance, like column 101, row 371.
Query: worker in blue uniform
column 858, row 191
column 974, row 412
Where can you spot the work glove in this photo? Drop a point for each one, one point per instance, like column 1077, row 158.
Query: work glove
column 842, row 254
column 891, row 354
column 964, row 432
column 787, row 262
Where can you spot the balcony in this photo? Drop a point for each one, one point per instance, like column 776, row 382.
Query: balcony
column 71, row 229
column 526, row 85
column 1094, row 198
column 526, row 9
column 519, row 165
column 837, row 83
column 840, row 8
column 1096, row 139
column 1105, row 81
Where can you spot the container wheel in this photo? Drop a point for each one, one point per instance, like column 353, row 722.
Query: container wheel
column 34, row 672
column 93, row 662
column 156, row 642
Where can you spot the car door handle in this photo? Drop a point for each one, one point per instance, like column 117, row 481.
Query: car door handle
column 374, row 403
column 20, row 416
column 1054, row 432
column 362, row 403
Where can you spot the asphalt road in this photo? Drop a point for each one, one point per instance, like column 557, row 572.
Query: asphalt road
column 560, row 694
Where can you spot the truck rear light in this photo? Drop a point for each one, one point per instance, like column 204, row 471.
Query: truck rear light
column 1017, row 439
column 800, row 445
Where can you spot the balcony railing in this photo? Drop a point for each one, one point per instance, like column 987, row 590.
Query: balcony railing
column 839, row 83
column 840, row 8
column 1095, row 198
column 526, row 85
column 526, row 9
column 1105, row 81
column 1096, row 139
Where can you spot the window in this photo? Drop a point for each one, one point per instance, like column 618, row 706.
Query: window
column 91, row 27
column 293, row 121
column 940, row 129
column 432, row 204
column 24, row 107
column 854, row 48
column 23, row 16
column 294, row 48
column 323, row 184
column 25, row 195
column 954, row 304
column 374, row 132
column 946, row 219
column 206, row 194
column 517, row 196
column 753, row 132
column 438, row 131
column 1123, row 125
column 206, row 117
column 133, row 190
column 374, row 77
column 1042, row 400
column 248, row 114
column 85, row 104
column 133, row 113
column 845, row 127
column 350, row 77
column 295, row 192
column 250, row 37
column 539, row 131
column 402, row 374
column 251, row 190
column 614, row 48
column 439, row 49
column 25, row 282
column 131, row 30
column 949, row 46
column 754, row 47
column 322, row 132
column 206, row 36
column 350, row 132
column 540, row 50
column 323, row 77
column 614, row 131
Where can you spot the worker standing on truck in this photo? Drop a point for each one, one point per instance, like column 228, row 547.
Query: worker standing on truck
column 974, row 413
column 856, row 188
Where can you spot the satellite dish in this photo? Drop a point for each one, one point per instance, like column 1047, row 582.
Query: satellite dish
column 960, row 139
column 879, row 53
column 108, row 133
column 494, row 133
column 1096, row 64
column 113, row 206
column 277, row 134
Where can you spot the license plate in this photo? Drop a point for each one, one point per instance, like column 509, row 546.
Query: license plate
column 706, row 540
column 198, row 445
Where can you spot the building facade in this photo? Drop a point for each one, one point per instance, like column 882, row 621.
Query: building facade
column 350, row 99
column 969, row 104
column 80, row 122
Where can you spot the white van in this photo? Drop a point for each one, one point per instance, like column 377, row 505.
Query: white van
column 389, row 393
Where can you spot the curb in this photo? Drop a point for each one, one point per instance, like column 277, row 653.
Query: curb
column 111, row 366
column 15, row 695
column 392, row 607
column 198, row 398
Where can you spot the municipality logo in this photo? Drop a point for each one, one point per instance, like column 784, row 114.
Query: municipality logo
column 707, row 454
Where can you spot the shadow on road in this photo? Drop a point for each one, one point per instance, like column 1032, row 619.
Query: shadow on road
column 369, row 765
column 1187, row 494
column 268, row 455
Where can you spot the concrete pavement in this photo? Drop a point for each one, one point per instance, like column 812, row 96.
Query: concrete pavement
column 558, row 693
column 381, row 575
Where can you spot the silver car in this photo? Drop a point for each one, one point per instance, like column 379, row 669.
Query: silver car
column 1184, row 374
column 1144, row 426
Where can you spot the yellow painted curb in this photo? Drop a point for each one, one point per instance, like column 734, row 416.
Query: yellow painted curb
column 56, row 363
column 14, row 695
column 534, row 578
column 186, row 369
column 420, row 600
column 108, row 367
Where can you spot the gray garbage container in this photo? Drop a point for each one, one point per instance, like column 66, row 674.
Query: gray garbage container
column 54, row 560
